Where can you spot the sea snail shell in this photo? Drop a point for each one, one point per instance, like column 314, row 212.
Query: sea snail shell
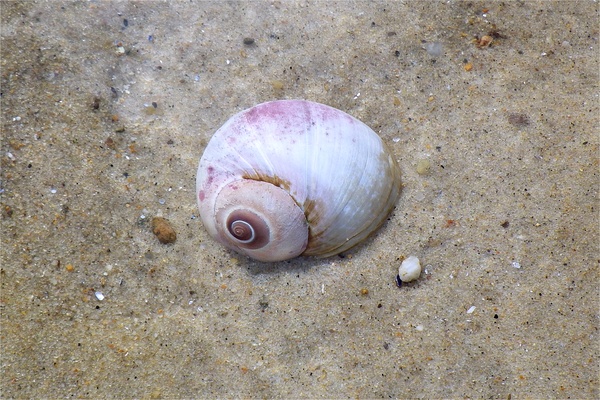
column 292, row 177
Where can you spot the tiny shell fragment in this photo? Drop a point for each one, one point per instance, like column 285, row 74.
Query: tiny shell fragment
column 485, row 41
column 163, row 230
column 410, row 269
column 423, row 167
column 277, row 84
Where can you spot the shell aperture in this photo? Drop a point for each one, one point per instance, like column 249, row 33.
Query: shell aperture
column 294, row 170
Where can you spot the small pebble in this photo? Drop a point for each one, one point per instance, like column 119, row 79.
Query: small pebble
column 410, row 269
column 485, row 41
column 423, row 167
column 163, row 230
column 277, row 84
column 110, row 143
column 398, row 281
column 99, row 296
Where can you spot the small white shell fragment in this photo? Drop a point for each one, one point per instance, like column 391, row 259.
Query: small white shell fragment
column 99, row 296
column 471, row 309
column 410, row 269
column 516, row 264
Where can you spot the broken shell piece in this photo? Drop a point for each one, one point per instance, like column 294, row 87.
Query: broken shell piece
column 410, row 269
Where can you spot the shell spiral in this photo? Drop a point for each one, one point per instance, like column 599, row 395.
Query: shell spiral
column 292, row 177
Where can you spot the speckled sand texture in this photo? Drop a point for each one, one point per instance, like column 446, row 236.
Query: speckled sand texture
column 107, row 107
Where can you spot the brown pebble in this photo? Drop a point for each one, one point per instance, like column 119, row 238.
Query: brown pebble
column 485, row 41
column 8, row 211
column 163, row 230
column 110, row 143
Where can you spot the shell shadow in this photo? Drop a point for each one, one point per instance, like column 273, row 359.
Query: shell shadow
column 296, row 265
column 304, row 264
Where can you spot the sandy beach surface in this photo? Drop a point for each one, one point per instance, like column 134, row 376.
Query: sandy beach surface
column 490, row 108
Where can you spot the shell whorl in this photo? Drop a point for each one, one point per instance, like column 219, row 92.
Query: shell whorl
column 334, row 173
column 260, row 220
column 249, row 229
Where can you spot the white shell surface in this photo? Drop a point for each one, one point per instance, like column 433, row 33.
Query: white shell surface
column 336, row 169
column 410, row 269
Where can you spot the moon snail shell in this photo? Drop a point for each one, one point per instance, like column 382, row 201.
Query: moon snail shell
column 292, row 177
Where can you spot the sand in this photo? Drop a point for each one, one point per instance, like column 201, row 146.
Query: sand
column 491, row 109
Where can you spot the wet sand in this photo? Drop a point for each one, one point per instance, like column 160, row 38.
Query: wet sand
column 107, row 107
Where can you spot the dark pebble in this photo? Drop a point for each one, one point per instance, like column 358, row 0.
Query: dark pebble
column 398, row 281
